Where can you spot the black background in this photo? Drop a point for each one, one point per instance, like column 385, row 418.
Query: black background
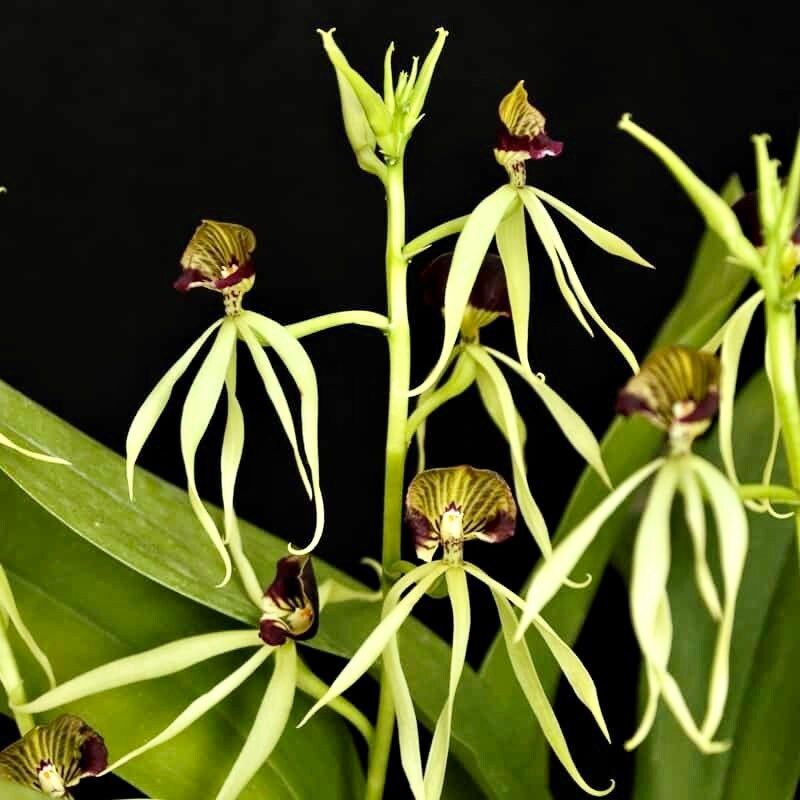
column 123, row 124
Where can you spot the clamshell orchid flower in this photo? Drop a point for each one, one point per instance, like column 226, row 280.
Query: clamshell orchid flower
column 219, row 257
column 473, row 363
column 445, row 508
column 677, row 390
column 501, row 216
column 289, row 614
column 55, row 757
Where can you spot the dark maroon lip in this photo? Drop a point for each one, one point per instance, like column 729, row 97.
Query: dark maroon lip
column 490, row 292
column 193, row 276
column 747, row 213
column 536, row 147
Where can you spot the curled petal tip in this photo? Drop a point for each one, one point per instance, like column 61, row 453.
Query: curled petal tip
column 579, row 584
column 625, row 120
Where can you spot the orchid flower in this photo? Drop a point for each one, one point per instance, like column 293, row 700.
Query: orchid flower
column 474, row 363
column 10, row 678
column 501, row 216
column 383, row 121
column 444, row 509
column 762, row 234
column 55, row 757
column 219, row 258
column 677, row 390
column 289, row 613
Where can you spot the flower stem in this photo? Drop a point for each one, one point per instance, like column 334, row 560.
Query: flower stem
column 782, row 356
column 399, row 339
column 11, row 681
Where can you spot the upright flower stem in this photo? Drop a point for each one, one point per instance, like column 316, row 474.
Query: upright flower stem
column 12, row 681
column 399, row 338
column 782, row 355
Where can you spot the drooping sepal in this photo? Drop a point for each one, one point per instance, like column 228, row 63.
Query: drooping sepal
column 54, row 757
column 455, row 504
column 218, row 257
column 291, row 602
column 488, row 299
column 677, row 389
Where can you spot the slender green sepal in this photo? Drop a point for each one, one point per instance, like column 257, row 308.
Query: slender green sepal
column 269, row 724
column 580, row 292
column 746, row 309
column 6, row 442
column 717, row 213
column 436, row 764
column 513, row 248
column 732, row 534
column 156, row 663
column 299, row 365
column 422, row 83
column 468, row 256
column 604, row 239
column 576, row 431
column 425, row 240
column 552, row 573
column 395, row 613
column 388, row 79
column 331, row 591
column 770, row 493
column 528, row 506
column 231, row 456
column 198, row 409
column 315, row 688
column 531, row 685
column 498, row 400
column 662, row 646
column 539, row 218
column 375, row 110
column 202, row 705
column 155, row 403
column 695, row 516
column 8, row 609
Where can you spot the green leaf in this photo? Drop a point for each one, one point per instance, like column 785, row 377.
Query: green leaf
column 10, row 791
column 712, row 288
column 87, row 609
column 159, row 536
column 760, row 714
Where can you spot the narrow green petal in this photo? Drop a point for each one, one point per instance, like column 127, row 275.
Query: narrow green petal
column 696, row 523
column 155, row 403
column 155, row 663
column 717, row 213
column 269, row 724
column 539, row 218
column 232, row 447
column 603, row 238
column 531, row 685
column 324, row 322
column 746, row 308
column 574, row 671
column 577, row 432
column 436, row 764
column 468, row 256
column 394, row 615
column 6, row 442
column 423, row 83
column 202, row 705
column 425, row 240
column 331, row 591
column 296, row 360
column 496, row 402
column 314, row 687
column 662, row 636
column 372, row 103
column 551, row 575
column 732, row 343
column 8, row 608
column 513, row 248
column 460, row 379
column 197, row 412
column 731, row 522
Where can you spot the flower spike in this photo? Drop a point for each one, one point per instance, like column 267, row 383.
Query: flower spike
column 55, row 757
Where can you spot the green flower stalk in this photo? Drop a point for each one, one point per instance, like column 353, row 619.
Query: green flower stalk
column 678, row 391
column 473, row 363
column 762, row 234
column 444, row 509
column 290, row 611
column 219, row 258
column 501, row 216
column 55, row 757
